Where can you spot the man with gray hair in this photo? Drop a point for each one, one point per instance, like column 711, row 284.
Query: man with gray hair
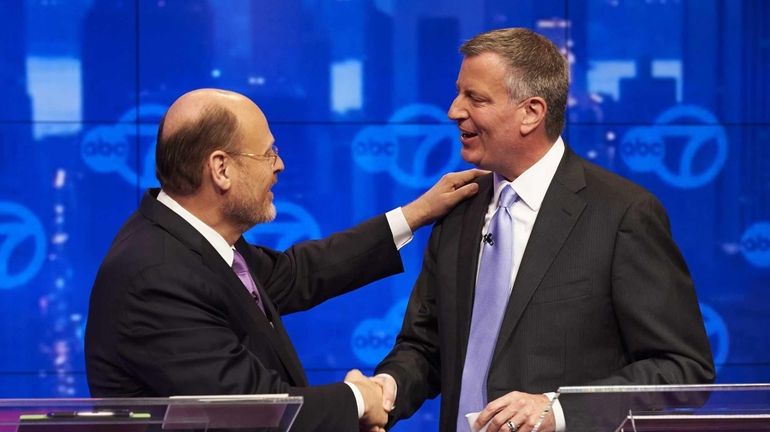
column 556, row 273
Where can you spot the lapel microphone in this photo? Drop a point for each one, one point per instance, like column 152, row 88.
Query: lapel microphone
column 487, row 238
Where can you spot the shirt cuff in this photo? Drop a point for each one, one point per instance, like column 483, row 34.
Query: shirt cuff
column 558, row 414
column 359, row 398
column 402, row 234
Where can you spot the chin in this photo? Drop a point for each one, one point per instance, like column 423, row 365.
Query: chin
column 267, row 214
column 471, row 157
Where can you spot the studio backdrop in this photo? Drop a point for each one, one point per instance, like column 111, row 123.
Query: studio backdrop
column 672, row 94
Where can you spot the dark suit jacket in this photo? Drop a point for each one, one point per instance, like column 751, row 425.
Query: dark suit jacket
column 168, row 316
column 602, row 296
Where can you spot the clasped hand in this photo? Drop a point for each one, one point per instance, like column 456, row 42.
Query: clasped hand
column 378, row 400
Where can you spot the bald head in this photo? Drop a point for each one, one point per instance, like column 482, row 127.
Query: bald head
column 197, row 124
column 189, row 108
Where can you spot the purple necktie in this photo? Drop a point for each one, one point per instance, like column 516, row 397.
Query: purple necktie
column 493, row 287
column 242, row 270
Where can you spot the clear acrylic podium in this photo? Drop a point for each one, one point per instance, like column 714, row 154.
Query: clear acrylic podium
column 258, row 413
column 722, row 407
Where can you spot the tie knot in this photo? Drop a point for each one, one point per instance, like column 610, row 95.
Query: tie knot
column 239, row 263
column 507, row 197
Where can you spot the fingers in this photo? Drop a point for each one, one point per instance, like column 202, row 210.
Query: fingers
column 521, row 409
column 466, row 191
column 388, row 385
column 441, row 198
column 517, row 417
column 463, row 177
column 456, row 180
column 493, row 408
column 354, row 375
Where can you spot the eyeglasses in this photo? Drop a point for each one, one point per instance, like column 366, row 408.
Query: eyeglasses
column 271, row 155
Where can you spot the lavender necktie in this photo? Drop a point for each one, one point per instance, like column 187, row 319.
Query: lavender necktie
column 491, row 298
column 242, row 270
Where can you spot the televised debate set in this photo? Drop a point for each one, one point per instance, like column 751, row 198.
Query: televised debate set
column 384, row 215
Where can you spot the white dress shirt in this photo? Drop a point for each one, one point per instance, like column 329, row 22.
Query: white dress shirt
column 531, row 187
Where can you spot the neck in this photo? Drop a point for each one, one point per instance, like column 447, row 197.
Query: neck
column 529, row 154
column 207, row 210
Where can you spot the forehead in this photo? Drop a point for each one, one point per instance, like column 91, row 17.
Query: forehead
column 484, row 71
column 255, row 131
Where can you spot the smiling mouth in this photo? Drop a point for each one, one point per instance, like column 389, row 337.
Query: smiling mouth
column 464, row 135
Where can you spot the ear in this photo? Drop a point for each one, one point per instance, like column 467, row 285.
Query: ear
column 534, row 114
column 219, row 170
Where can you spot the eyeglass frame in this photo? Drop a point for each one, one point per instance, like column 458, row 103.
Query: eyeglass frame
column 271, row 156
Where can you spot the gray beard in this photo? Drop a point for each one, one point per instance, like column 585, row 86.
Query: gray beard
column 247, row 219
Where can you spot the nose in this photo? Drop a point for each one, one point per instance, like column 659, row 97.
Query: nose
column 456, row 111
column 279, row 166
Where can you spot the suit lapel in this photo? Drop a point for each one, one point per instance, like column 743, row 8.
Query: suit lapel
column 277, row 333
column 467, row 262
column 558, row 214
column 246, row 307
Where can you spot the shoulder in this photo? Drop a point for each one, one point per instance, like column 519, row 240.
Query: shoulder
column 609, row 188
column 142, row 248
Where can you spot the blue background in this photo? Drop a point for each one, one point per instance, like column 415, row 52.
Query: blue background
column 673, row 94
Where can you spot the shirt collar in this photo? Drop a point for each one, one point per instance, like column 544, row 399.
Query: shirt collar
column 217, row 241
column 533, row 183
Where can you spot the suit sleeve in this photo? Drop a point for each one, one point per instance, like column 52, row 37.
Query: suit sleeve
column 414, row 361
column 313, row 271
column 655, row 301
column 659, row 318
column 183, row 344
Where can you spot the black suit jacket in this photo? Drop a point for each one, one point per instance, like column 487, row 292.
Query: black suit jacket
column 602, row 296
column 169, row 317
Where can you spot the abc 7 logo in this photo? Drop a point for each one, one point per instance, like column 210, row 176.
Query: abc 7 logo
column 19, row 228
column 293, row 223
column 107, row 149
column 373, row 338
column 644, row 149
column 755, row 244
column 384, row 148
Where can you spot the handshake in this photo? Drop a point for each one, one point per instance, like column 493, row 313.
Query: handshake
column 379, row 394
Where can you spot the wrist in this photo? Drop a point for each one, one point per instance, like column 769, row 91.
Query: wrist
column 414, row 215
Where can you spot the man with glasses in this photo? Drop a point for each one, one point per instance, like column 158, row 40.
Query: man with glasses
column 183, row 305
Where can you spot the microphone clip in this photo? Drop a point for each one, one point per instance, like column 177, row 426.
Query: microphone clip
column 487, row 238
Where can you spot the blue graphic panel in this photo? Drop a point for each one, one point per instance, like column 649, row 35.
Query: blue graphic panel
column 620, row 77
column 126, row 149
column 22, row 226
column 57, row 219
column 377, row 148
column 719, row 335
column 643, row 148
column 374, row 337
column 357, row 93
column 69, row 61
column 755, row 244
